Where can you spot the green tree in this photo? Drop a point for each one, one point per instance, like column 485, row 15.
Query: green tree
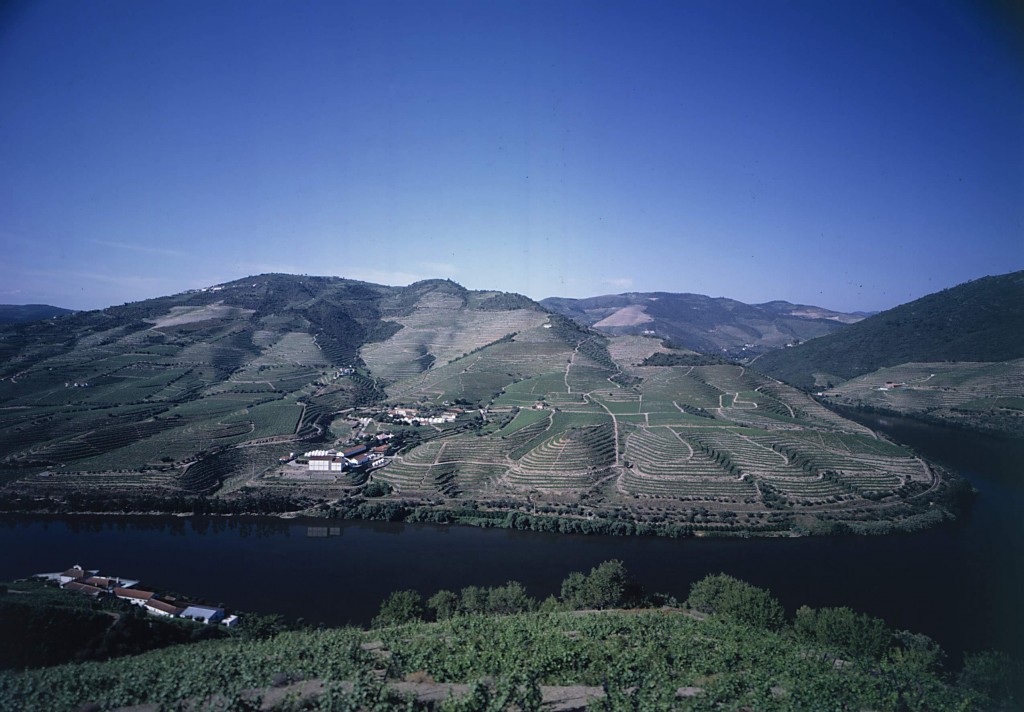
column 724, row 595
column 398, row 608
column 261, row 627
column 508, row 599
column 607, row 586
column 473, row 599
column 574, row 590
column 855, row 634
column 444, row 604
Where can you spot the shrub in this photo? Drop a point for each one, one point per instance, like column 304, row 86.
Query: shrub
column 398, row 608
column 724, row 595
column 444, row 604
column 607, row 586
column 856, row 634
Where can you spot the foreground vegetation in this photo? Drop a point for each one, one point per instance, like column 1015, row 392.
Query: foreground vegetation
column 729, row 646
column 63, row 626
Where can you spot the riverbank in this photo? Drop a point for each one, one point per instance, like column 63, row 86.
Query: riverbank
column 915, row 507
column 1009, row 425
column 923, row 516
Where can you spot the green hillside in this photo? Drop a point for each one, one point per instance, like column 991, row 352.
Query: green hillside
column 160, row 395
column 980, row 396
column 522, row 418
column 19, row 313
column 982, row 320
column 729, row 647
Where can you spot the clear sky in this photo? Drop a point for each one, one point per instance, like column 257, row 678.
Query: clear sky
column 845, row 153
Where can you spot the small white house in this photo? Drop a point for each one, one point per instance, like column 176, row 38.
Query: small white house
column 325, row 461
column 204, row 614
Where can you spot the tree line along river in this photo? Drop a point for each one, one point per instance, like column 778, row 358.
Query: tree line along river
column 962, row 584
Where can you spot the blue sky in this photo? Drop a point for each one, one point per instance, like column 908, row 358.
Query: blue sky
column 849, row 154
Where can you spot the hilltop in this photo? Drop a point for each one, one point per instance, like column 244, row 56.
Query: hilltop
column 19, row 313
column 481, row 407
column 706, row 324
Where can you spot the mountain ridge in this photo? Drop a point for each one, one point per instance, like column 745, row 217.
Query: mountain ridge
column 708, row 324
column 979, row 320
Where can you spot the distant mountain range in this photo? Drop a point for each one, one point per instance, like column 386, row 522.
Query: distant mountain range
column 707, row 324
column 19, row 313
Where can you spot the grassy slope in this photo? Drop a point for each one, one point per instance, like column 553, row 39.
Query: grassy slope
column 686, row 446
column 146, row 388
column 981, row 320
column 701, row 446
column 985, row 396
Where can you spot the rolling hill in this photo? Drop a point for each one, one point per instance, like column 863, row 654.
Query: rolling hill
column 158, row 386
column 19, row 313
column 706, row 324
column 520, row 417
column 730, row 647
column 975, row 395
column 981, row 320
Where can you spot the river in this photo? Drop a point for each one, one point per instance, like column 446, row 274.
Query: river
column 961, row 584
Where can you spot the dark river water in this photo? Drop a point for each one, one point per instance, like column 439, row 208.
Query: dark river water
column 962, row 584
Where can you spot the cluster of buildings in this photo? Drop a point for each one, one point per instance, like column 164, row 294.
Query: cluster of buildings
column 354, row 458
column 413, row 416
column 891, row 385
column 90, row 583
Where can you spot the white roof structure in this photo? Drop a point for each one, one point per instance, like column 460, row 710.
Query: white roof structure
column 206, row 614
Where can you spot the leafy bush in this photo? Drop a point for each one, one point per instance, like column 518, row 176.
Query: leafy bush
column 377, row 488
column 724, row 595
column 856, row 634
column 398, row 608
column 608, row 585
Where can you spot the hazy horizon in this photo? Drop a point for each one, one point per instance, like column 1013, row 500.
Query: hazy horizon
column 851, row 155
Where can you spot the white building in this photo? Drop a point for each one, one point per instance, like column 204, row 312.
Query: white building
column 161, row 608
column 325, row 461
column 204, row 614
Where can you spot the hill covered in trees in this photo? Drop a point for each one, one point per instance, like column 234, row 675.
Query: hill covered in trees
column 19, row 313
column 981, row 320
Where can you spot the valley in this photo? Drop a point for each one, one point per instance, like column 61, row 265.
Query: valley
column 194, row 400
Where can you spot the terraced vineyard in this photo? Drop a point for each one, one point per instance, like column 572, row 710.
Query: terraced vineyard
column 977, row 395
column 660, row 443
column 200, row 394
